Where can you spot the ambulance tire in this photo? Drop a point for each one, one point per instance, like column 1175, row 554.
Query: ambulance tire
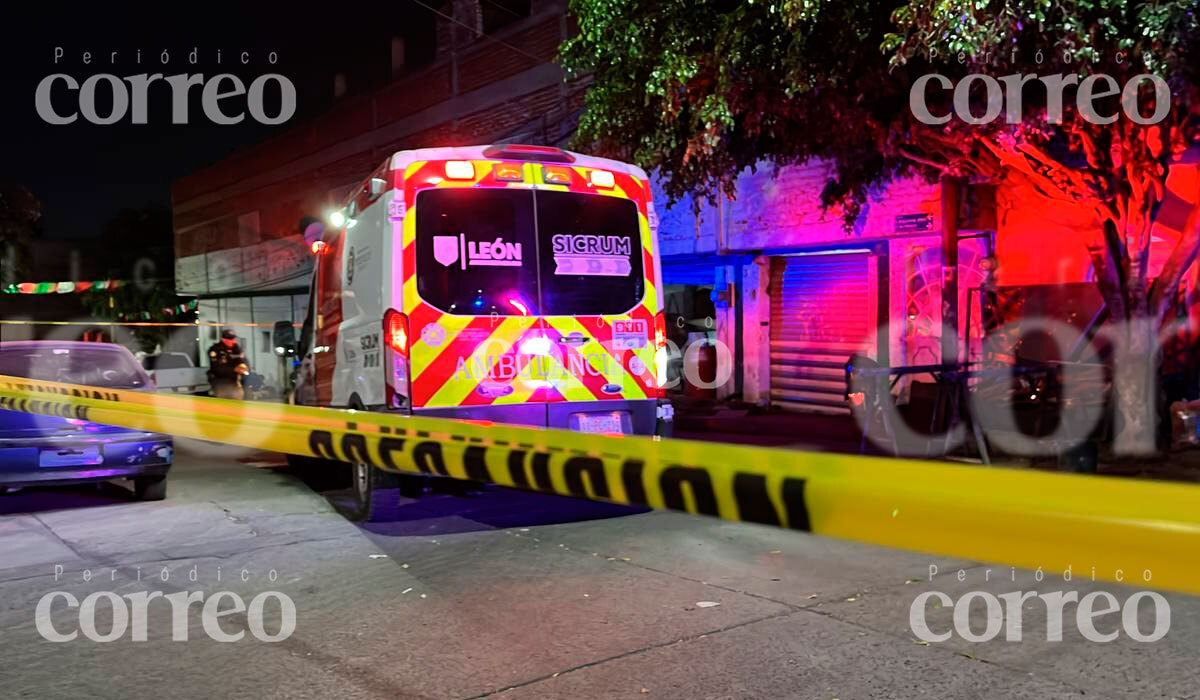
column 378, row 495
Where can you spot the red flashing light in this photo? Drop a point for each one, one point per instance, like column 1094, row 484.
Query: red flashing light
column 660, row 356
column 519, row 305
column 319, row 247
column 395, row 331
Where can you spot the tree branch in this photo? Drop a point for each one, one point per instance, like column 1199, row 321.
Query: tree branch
column 924, row 161
column 1177, row 263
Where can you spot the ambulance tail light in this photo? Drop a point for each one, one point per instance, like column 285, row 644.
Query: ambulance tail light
column 397, row 388
column 460, row 170
column 661, row 358
column 395, row 332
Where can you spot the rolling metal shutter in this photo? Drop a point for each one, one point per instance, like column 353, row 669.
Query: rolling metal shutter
column 823, row 309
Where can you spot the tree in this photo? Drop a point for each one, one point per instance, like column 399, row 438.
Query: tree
column 702, row 90
column 20, row 218
column 139, row 242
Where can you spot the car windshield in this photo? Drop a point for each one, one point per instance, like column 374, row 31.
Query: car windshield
column 516, row 252
column 93, row 366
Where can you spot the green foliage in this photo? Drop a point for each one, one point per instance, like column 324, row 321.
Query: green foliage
column 702, row 89
column 1082, row 36
column 141, row 245
column 20, row 219
column 137, row 304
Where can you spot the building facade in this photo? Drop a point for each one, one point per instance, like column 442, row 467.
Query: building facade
column 796, row 291
column 784, row 284
column 238, row 243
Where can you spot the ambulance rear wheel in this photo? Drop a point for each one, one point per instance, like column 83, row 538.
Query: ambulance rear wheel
column 377, row 494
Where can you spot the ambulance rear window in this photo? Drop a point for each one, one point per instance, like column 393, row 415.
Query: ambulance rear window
column 516, row 252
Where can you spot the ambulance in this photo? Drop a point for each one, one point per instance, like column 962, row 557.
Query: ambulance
column 508, row 283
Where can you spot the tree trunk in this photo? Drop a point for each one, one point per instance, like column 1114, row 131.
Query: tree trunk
column 1135, row 384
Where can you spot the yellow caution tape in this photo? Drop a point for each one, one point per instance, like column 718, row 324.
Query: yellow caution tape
column 1123, row 530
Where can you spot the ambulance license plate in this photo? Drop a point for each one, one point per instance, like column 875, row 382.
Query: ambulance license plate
column 600, row 423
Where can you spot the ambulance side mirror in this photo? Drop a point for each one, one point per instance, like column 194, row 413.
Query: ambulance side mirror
column 284, row 338
column 377, row 186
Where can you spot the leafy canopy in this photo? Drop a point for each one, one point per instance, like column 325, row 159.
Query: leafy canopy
column 702, row 89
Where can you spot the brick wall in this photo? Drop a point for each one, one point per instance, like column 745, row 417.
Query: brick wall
column 293, row 174
column 783, row 210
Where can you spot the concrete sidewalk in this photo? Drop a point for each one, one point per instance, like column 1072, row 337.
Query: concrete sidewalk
column 815, row 431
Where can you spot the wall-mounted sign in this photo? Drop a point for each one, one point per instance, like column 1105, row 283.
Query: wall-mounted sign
column 912, row 223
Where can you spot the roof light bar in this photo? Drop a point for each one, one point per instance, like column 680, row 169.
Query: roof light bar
column 517, row 151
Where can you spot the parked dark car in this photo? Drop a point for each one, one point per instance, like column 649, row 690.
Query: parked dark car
column 46, row 450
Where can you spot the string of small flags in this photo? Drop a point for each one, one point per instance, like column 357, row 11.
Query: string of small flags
column 62, row 287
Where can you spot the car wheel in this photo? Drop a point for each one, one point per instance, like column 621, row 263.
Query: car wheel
column 150, row 488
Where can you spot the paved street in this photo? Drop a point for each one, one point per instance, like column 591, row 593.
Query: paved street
column 517, row 595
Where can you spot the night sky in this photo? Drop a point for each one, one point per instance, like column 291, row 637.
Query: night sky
column 84, row 173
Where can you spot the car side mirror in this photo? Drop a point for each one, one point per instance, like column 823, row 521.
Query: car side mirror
column 284, row 338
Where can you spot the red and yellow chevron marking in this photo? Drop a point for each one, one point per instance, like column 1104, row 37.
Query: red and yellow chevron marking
column 480, row 360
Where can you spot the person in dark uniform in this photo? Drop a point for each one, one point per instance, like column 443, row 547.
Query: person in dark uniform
column 226, row 366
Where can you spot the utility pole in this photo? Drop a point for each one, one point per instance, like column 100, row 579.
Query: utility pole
column 951, row 193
